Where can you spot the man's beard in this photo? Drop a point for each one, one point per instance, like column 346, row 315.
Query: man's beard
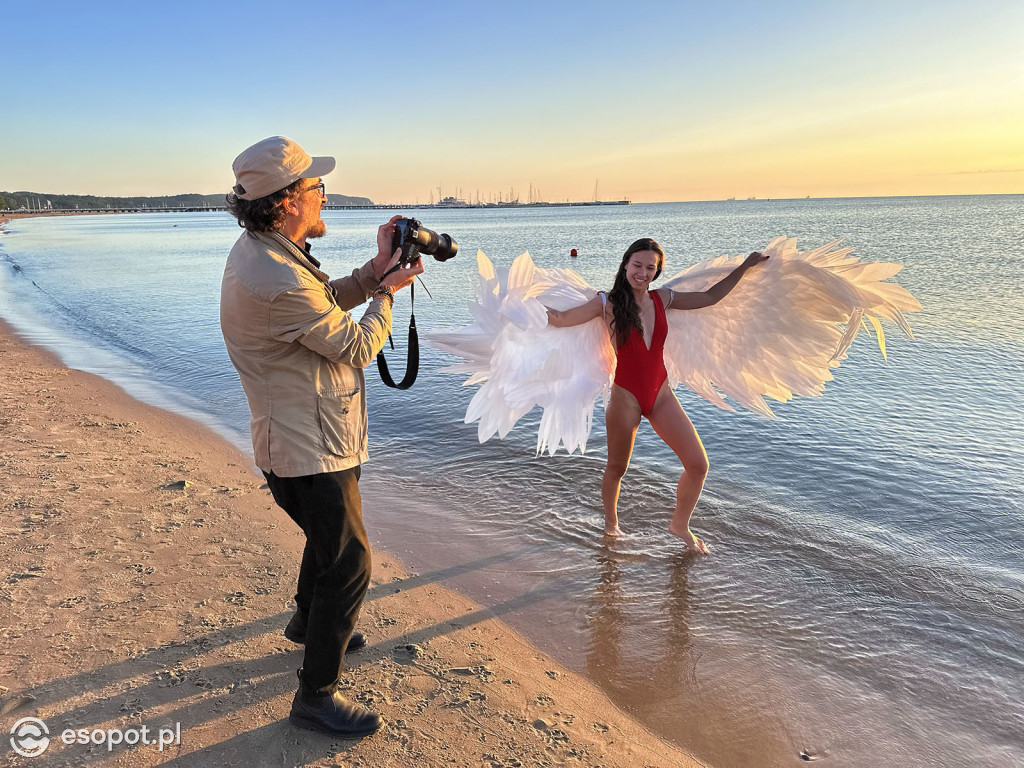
column 316, row 230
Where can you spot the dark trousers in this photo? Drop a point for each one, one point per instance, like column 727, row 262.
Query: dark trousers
column 335, row 571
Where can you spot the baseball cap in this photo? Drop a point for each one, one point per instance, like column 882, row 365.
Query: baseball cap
column 273, row 164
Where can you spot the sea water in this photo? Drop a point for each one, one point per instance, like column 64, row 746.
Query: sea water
column 864, row 600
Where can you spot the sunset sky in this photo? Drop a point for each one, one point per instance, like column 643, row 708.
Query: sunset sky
column 656, row 101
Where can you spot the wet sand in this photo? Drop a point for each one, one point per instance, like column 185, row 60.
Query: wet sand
column 146, row 580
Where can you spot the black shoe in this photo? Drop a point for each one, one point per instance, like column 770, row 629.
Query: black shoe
column 296, row 632
column 332, row 713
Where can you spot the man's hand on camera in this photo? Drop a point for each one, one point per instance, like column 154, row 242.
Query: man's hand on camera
column 382, row 262
column 404, row 275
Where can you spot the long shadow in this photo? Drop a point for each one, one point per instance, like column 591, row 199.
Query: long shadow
column 166, row 656
column 403, row 585
column 301, row 748
column 246, row 682
column 556, row 588
column 175, row 652
column 272, row 744
column 276, row 675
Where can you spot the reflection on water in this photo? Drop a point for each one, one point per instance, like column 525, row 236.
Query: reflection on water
column 616, row 632
column 641, row 648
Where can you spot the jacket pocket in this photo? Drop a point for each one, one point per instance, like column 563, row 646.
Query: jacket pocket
column 341, row 421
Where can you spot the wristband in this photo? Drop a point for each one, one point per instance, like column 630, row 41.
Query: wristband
column 384, row 292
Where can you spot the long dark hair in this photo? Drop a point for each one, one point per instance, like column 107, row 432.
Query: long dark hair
column 264, row 214
column 626, row 310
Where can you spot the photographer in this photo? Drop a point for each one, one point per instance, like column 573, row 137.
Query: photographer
column 300, row 357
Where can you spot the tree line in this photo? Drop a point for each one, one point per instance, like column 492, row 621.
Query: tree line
column 41, row 200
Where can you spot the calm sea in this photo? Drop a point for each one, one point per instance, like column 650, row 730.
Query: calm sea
column 864, row 602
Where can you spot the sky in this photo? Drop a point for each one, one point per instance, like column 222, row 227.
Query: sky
column 647, row 101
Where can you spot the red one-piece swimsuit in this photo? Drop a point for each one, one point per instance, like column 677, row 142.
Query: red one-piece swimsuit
column 639, row 370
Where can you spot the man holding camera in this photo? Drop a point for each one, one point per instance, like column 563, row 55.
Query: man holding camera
column 300, row 357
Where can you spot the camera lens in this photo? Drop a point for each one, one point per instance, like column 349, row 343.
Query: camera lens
column 441, row 247
column 446, row 249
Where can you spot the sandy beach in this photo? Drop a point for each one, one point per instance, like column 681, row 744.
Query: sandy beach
column 147, row 578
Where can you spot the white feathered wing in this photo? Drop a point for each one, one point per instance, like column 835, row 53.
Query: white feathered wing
column 783, row 327
column 521, row 362
column 778, row 333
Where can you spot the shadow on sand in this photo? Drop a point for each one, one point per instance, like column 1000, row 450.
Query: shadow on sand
column 239, row 685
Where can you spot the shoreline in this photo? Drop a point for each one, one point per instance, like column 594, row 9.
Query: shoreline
column 150, row 578
column 11, row 215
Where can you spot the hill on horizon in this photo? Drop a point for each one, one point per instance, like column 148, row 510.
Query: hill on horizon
column 41, row 200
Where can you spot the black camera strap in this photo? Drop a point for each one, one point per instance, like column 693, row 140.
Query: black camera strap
column 412, row 366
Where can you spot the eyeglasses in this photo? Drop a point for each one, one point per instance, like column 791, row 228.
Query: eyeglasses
column 320, row 190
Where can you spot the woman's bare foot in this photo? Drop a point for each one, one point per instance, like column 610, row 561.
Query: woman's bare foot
column 693, row 542
column 612, row 532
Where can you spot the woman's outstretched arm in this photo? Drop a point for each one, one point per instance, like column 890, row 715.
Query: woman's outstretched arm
column 577, row 315
column 717, row 292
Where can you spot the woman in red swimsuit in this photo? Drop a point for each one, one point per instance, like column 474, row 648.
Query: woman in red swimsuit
column 636, row 318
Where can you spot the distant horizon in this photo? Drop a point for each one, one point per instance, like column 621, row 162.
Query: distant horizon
column 737, row 198
column 334, row 206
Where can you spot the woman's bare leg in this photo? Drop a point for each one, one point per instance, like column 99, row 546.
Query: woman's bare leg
column 621, row 419
column 674, row 427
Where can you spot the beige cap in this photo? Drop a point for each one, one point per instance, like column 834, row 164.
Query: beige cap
column 273, row 164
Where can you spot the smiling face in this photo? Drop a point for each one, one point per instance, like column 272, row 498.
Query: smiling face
column 642, row 268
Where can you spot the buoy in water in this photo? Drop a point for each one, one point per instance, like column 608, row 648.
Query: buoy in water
column 573, row 253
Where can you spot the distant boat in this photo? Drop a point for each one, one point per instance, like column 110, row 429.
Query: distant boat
column 451, row 202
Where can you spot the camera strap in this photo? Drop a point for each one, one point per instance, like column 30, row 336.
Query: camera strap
column 412, row 366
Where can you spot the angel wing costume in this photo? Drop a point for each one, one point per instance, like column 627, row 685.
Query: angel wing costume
column 778, row 333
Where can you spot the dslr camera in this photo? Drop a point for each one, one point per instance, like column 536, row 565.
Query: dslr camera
column 413, row 238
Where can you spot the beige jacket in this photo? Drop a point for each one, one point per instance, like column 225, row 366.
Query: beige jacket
column 299, row 354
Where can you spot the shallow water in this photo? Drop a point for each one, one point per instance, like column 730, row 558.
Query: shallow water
column 865, row 596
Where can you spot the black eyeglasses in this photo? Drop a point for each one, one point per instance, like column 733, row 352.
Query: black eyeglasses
column 320, row 190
